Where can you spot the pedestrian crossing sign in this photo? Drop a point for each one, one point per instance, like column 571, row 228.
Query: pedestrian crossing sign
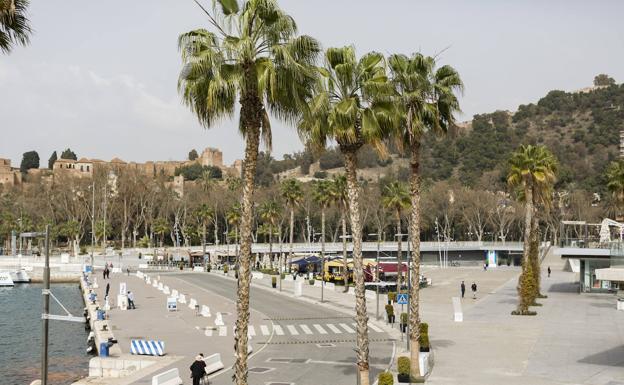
column 402, row 299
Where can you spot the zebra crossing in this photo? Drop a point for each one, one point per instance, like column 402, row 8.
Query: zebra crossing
column 292, row 330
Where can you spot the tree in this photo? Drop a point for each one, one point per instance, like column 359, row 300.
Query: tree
column 270, row 213
column 341, row 198
column 396, row 197
column 14, row 25
column 233, row 217
column 615, row 181
column 346, row 107
column 254, row 57
column 68, row 154
column 52, row 159
column 193, row 155
column 426, row 101
column 160, row 227
column 322, row 193
column 204, row 214
column 292, row 193
column 532, row 169
column 603, row 80
column 30, row 160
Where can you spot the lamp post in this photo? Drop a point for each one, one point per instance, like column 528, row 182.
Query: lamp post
column 377, row 280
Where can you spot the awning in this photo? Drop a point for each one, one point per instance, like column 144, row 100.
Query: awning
column 610, row 274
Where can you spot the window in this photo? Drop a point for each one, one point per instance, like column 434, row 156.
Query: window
column 81, row 170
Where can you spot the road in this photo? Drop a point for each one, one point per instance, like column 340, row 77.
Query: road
column 297, row 342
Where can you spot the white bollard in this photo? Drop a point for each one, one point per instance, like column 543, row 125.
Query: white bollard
column 192, row 303
column 205, row 311
column 148, row 281
column 219, row 320
column 175, row 294
column 166, row 290
column 182, row 298
column 155, row 283
column 160, row 286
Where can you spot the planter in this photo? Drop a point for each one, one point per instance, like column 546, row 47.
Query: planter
column 402, row 378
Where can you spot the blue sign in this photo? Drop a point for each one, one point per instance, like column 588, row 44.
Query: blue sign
column 402, row 299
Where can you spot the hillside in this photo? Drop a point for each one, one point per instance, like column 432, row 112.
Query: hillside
column 581, row 128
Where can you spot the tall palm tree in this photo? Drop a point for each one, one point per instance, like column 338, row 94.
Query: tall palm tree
column 533, row 170
column 14, row 25
column 292, row 193
column 322, row 193
column 204, row 214
column 340, row 196
column 270, row 213
column 233, row 217
column 252, row 56
column 345, row 108
column 396, row 197
column 425, row 100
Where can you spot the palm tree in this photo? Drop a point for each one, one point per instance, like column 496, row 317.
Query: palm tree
column 345, row 108
column 395, row 197
column 425, row 100
column 204, row 214
column 233, row 216
column 14, row 25
column 253, row 57
column 322, row 194
column 160, row 228
column 270, row 213
column 340, row 196
column 615, row 180
column 292, row 193
column 532, row 169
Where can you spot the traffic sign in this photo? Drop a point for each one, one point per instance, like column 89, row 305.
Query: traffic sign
column 402, row 299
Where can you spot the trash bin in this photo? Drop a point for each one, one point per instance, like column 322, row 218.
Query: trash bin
column 103, row 349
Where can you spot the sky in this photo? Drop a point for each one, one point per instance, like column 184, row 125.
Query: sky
column 100, row 77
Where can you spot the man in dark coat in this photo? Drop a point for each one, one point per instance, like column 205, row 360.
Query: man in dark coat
column 198, row 369
column 463, row 288
column 474, row 290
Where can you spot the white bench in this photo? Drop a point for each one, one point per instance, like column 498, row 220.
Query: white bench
column 458, row 315
column 170, row 377
column 213, row 363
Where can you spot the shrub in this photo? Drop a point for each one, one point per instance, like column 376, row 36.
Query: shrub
column 389, row 310
column 311, row 281
column 385, row 378
column 274, row 282
column 320, row 174
column 283, row 275
column 225, row 269
column 392, row 296
column 423, row 339
column 83, row 250
column 143, row 242
column 404, row 318
column 403, row 365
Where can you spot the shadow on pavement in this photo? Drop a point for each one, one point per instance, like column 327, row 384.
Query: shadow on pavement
column 611, row 357
column 564, row 287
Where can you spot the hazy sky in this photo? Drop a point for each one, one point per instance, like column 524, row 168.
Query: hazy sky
column 100, row 76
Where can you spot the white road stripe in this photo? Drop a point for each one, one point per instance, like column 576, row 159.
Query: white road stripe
column 265, row 330
column 347, row 328
column 292, row 330
column 278, row 330
column 334, row 328
column 320, row 329
column 375, row 328
column 222, row 331
column 251, row 331
column 305, row 329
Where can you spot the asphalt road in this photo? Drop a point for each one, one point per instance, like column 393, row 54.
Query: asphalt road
column 316, row 344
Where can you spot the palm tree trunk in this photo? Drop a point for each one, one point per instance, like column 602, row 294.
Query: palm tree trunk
column 345, row 273
column 323, row 245
column 399, row 253
column 292, row 231
column 535, row 261
column 271, row 246
column 358, row 268
column 204, row 240
column 414, row 295
column 250, row 118
column 526, row 280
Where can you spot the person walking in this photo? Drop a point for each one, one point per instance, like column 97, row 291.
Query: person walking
column 131, row 300
column 104, row 273
column 128, row 271
column 474, row 290
column 107, row 290
column 548, row 271
column 198, row 369
column 463, row 288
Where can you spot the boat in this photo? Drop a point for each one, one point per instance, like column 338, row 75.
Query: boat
column 20, row 276
column 5, row 279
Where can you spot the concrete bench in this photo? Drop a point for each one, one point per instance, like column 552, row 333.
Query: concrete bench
column 175, row 294
column 458, row 315
column 219, row 320
column 182, row 298
column 166, row 290
column 198, row 268
column 170, row 377
column 205, row 311
column 213, row 363
column 192, row 304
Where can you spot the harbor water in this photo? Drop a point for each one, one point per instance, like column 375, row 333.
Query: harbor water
column 20, row 335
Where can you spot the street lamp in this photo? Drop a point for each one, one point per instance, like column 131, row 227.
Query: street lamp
column 46, row 316
column 377, row 280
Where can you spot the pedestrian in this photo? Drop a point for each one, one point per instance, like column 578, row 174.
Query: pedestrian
column 474, row 290
column 485, row 267
column 463, row 288
column 104, row 273
column 128, row 271
column 548, row 271
column 131, row 300
column 107, row 290
column 198, row 369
